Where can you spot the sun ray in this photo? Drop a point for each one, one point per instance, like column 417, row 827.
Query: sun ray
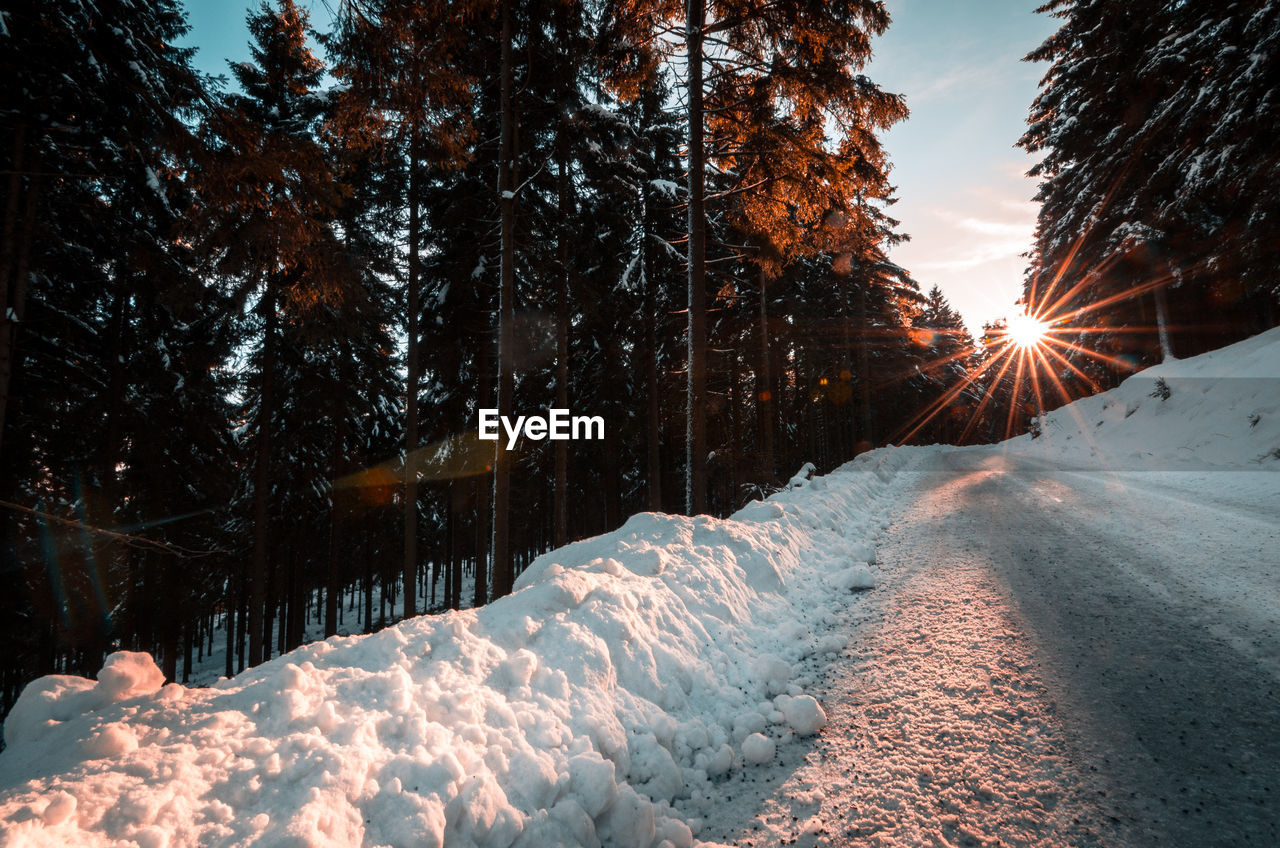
column 1053, row 378
column 927, row 414
column 927, row 368
column 1093, row 385
column 1118, row 297
column 986, row 399
column 1017, row 390
column 1102, row 357
column 1080, row 285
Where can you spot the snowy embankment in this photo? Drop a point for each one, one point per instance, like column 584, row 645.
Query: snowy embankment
column 599, row 702
column 1216, row 411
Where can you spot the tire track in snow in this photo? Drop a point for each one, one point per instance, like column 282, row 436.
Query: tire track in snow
column 941, row 732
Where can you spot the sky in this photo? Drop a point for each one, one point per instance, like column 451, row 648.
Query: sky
column 963, row 195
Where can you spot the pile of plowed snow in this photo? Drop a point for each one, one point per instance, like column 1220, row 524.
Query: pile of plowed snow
column 598, row 703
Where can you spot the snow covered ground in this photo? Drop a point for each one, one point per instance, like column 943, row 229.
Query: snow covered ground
column 1074, row 639
column 604, row 700
column 209, row 665
column 687, row 680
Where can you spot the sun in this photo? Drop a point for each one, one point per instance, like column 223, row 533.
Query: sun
column 1026, row 331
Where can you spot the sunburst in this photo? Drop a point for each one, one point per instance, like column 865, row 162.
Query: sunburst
column 1037, row 348
column 1026, row 331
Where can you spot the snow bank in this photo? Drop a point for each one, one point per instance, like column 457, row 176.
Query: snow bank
column 598, row 703
column 1216, row 411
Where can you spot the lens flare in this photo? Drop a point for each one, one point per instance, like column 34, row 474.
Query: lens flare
column 1049, row 346
column 1026, row 331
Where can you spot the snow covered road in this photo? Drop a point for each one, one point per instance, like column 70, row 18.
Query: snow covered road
column 1052, row 658
column 1069, row 640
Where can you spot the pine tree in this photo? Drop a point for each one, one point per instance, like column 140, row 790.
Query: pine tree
column 1152, row 120
column 408, row 84
column 268, row 195
column 780, row 75
column 95, row 121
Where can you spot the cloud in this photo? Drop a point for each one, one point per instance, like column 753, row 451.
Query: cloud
column 996, row 228
column 975, row 241
column 969, row 78
column 978, row 255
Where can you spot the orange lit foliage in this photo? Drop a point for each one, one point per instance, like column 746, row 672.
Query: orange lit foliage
column 268, row 188
column 792, row 123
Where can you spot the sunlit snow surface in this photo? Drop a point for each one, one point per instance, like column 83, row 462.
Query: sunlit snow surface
column 637, row 683
column 620, row 679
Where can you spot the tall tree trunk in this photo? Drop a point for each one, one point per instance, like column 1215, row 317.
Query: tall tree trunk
column 12, row 202
column 332, row 587
column 337, row 466
column 262, row 480
column 450, row 538
column 653, row 422
column 368, row 583
column 298, row 597
column 115, row 396
column 482, row 492
column 411, row 390
column 13, row 280
column 172, row 592
column 764, row 396
column 1162, row 323
column 229, row 622
column 560, row 499
column 105, row 549
column 695, row 493
column 735, row 435
column 502, row 571
column 612, row 474
column 851, row 431
column 8, row 249
column 864, row 365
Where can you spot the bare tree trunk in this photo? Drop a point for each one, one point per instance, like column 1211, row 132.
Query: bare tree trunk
column 368, row 586
column 612, row 474
column 695, row 494
column 1162, row 323
column 503, row 576
column 230, row 624
column 765, row 392
column 411, row 391
column 13, row 280
column 332, row 588
column 560, row 497
column 735, row 436
column 262, row 481
column 481, row 491
column 104, row 549
column 653, row 458
column 171, row 609
column 864, row 365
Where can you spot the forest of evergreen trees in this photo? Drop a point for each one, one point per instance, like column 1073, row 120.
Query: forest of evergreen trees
column 247, row 324
column 1159, row 226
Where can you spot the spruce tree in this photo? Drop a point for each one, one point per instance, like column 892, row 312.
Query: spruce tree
column 268, row 193
column 1154, row 236
column 95, row 120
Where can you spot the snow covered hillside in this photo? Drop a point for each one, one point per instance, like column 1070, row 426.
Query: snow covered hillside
column 619, row 696
column 1217, row 411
